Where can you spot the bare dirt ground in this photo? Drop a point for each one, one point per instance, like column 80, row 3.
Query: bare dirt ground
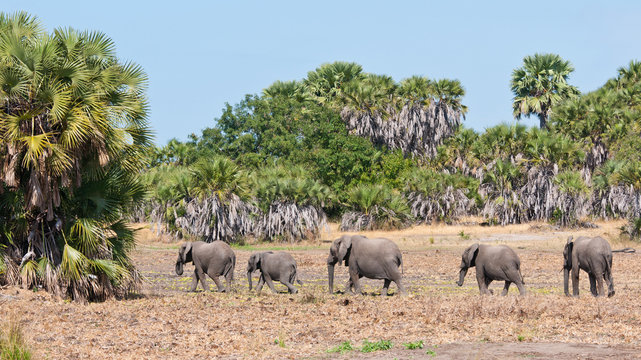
column 165, row 321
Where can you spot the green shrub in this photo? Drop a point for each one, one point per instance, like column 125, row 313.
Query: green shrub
column 414, row 345
column 376, row 346
column 342, row 348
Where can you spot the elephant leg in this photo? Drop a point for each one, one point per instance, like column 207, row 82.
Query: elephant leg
column 519, row 285
column 203, row 279
column 482, row 281
column 194, row 282
column 217, row 282
column 609, row 282
column 593, row 284
column 487, row 286
column 228, row 279
column 261, row 282
column 506, row 287
column 599, row 283
column 575, row 280
column 292, row 289
column 268, row 281
column 386, row 283
column 515, row 277
column 397, row 278
column 357, row 286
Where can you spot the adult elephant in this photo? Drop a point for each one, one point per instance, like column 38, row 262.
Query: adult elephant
column 276, row 266
column 493, row 262
column 372, row 258
column 592, row 255
column 210, row 259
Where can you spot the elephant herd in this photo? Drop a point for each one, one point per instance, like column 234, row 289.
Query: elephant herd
column 381, row 259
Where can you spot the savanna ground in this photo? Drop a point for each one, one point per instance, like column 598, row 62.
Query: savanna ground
column 165, row 321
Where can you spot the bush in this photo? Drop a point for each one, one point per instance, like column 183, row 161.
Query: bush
column 376, row 346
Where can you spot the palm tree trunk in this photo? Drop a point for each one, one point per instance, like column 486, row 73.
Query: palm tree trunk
column 543, row 120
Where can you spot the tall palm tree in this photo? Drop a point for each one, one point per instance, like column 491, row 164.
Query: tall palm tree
column 539, row 84
column 70, row 113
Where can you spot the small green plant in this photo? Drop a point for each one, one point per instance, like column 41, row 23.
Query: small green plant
column 463, row 235
column 414, row 345
column 432, row 241
column 431, row 352
column 520, row 338
column 281, row 340
column 12, row 344
column 376, row 346
column 345, row 346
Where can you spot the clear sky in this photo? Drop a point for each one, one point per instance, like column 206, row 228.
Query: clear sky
column 201, row 54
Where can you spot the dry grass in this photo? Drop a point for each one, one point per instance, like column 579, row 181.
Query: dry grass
column 167, row 322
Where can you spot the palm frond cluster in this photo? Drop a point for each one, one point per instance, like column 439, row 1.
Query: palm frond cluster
column 375, row 207
column 73, row 135
column 222, row 202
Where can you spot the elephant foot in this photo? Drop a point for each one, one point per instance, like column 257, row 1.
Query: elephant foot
column 611, row 294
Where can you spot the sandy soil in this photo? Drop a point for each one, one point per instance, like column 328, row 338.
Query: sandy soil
column 165, row 321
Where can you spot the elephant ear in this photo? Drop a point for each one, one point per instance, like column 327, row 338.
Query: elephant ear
column 344, row 248
column 567, row 253
column 472, row 251
column 254, row 262
column 186, row 252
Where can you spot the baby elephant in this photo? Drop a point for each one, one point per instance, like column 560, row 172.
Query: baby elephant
column 594, row 256
column 279, row 266
column 493, row 262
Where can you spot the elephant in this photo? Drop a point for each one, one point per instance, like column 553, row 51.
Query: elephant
column 493, row 262
column 213, row 259
column 592, row 255
column 373, row 258
column 279, row 266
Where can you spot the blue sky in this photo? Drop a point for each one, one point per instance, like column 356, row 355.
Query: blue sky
column 200, row 55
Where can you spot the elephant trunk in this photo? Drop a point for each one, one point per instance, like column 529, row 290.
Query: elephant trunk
column 566, row 280
column 249, row 279
column 461, row 276
column 179, row 267
column 330, row 275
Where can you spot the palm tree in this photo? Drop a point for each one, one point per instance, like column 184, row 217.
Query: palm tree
column 572, row 197
column 220, row 210
column 326, row 83
column 70, row 114
column 291, row 203
column 540, row 84
column 375, row 207
column 415, row 116
column 439, row 196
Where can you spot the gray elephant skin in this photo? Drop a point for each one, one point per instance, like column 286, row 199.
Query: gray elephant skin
column 493, row 262
column 273, row 266
column 592, row 255
column 210, row 259
column 377, row 258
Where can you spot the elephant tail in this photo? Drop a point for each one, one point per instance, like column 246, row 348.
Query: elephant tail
column 608, row 266
column 625, row 250
column 400, row 262
column 521, row 274
column 294, row 277
column 230, row 267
